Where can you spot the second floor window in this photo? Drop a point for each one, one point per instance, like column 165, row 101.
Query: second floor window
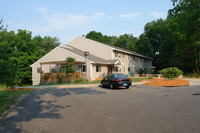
column 116, row 54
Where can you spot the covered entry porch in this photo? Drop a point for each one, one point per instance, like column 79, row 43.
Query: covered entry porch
column 55, row 72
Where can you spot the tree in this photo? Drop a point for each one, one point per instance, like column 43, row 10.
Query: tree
column 186, row 14
column 127, row 41
column 17, row 52
column 98, row 36
column 45, row 44
column 70, row 61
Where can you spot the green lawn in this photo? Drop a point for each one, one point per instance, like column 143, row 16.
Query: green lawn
column 2, row 87
column 138, row 79
column 9, row 98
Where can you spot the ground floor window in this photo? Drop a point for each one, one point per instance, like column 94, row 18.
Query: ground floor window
column 81, row 68
column 38, row 69
column 98, row 68
column 116, row 69
column 129, row 69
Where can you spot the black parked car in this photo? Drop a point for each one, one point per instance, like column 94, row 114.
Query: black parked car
column 116, row 80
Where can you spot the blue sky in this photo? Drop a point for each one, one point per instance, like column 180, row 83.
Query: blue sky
column 67, row 19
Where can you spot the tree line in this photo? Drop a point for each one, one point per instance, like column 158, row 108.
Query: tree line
column 171, row 42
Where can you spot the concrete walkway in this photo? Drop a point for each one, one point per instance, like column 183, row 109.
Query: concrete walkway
column 194, row 81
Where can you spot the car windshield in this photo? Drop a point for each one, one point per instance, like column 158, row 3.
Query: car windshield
column 119, row 76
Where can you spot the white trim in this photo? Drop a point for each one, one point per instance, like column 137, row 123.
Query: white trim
column 91, row 71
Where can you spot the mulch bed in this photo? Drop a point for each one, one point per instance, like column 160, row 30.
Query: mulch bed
column 18, row 89
column 166, row 83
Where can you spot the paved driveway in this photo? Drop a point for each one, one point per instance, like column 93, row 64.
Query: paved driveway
column 140, row 109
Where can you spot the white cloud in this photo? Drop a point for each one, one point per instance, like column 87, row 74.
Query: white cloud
column 156, row 14
column 100, row 14
column 63, row 21
column 129, row 15
column 43, row 10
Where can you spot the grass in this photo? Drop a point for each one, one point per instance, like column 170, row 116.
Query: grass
column 196, row 76
column 73, row 82
column 138, row 79
column 3, row 87
column 8, row 98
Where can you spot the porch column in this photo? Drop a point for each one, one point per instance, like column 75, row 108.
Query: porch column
column 41, row 75
column 49, row 68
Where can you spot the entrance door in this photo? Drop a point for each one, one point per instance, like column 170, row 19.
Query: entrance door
column 110, row 69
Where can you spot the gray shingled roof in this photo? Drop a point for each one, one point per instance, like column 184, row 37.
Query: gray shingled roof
column 91, row 57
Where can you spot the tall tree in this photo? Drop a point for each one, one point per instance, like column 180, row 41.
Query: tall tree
column 186, row 14
column 17, row 52
column 98, row 36
column 127, row 41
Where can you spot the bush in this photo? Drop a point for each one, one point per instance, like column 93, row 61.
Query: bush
column 170, row 73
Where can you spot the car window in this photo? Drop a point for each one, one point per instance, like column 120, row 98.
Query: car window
column 109, row 77
column 120, row 76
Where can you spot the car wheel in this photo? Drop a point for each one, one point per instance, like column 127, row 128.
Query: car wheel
column 102, row 85
column 111, row 86
column 127, row 87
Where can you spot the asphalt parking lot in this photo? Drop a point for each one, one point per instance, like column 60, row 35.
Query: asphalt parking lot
column 140, row 109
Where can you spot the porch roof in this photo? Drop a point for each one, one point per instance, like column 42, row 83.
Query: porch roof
column 60, row 62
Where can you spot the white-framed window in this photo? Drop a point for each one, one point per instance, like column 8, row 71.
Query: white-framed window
column 116, row 54
column 81, row 68
column 38, row 69
column 98, row 68
column 116, row 69
column 129, row 69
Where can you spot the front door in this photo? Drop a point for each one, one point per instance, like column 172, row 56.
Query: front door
column 110, row 69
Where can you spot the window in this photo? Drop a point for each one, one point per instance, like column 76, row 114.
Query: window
column 81, row 68
column 98, row 68
column 122, row 55
column 129, row 69
column 116, row 69
column 38, row 69
column 116, row 54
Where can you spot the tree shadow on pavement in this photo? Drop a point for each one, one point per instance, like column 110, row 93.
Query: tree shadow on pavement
column 33, row 106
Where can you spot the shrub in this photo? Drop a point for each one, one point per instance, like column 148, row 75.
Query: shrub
column 58, row 78
column 141, row 71
column 70, row 68
column 171, row 72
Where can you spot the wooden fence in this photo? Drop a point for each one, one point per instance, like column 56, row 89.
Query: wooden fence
column 47, row 78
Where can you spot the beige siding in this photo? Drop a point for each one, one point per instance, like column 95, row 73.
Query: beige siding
column 135, row 63
column 93, row 47
column 57, row 54
column 102, row 74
